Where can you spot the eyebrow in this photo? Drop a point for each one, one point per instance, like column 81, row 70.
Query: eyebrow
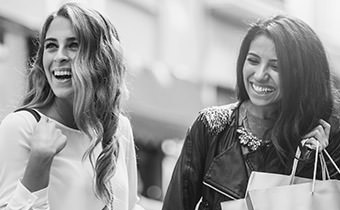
column 253, row 54
column 51, row 39
column 256, row 55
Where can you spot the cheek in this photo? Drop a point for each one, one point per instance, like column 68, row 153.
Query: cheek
column 245, row 73
column 276, row 77
column 45, row 61
column 73, row 55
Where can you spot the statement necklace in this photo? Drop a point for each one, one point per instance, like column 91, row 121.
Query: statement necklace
column 247, row 138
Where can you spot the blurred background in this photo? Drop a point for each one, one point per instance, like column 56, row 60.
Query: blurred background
column 181, row 57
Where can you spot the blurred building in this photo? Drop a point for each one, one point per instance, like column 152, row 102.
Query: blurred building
column 181, row 57
column 15, row 48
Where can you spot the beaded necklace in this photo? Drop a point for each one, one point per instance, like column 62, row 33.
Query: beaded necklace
column 246, row 137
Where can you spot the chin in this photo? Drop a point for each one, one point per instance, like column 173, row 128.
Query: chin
column 263, row 103
column 64, row 95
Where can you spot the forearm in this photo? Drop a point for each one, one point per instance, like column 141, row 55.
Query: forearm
column 32, row 191
column 37, row 172
column 23, row 199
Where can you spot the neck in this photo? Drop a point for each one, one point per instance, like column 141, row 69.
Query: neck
column 61, row 111
column 262, row 112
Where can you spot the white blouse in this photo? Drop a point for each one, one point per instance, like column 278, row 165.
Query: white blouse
column 71, row 178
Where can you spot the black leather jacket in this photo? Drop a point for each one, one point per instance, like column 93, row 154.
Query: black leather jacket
column 212, row 167
column 211, row 164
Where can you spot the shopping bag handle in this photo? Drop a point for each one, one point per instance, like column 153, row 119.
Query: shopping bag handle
column 324, row 164
column 315, row 165
column 332, row 161
column 324, row 169
column 295, row 163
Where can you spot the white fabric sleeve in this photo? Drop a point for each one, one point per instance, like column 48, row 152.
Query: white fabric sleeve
column 131, row 165
column 23, row 199
column 15, row 131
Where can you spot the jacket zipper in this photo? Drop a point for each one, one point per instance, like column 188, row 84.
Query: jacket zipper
column 223, row 193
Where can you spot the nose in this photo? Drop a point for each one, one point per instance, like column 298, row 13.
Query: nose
column 61, row 56
column 261, row 73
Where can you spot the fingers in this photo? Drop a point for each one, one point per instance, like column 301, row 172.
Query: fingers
column 311, row 143
column 317, row 131
column 48, row 138
column 318, row 137
column 63, row 142
column 44, row 120
column 326, row 126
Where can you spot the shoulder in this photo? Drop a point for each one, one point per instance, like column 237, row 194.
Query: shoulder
column 217, row 117
column 124, row 128
column 19, row 120
column 125, row 138
column 16, row 129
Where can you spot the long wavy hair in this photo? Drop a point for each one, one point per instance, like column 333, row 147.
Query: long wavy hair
column 98, row 81
column 306, row 86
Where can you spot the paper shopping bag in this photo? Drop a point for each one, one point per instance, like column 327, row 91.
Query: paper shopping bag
column 267, row 191
column 326, row 196
column 262, row 180
column 265, row 188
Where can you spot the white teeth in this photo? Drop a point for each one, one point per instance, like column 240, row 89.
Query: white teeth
column 62, row 73
column 261, row 89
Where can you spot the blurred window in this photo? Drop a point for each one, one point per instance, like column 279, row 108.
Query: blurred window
column 225, row 95
column 274, row 2
column 2, row 34
column 148, row 6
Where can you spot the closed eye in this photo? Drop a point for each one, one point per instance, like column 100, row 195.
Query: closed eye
column 50, row 45
column 274, row 67
column 74, row 46
column 252, row 60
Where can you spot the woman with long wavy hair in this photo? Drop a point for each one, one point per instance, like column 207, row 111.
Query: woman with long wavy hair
column 80, row 154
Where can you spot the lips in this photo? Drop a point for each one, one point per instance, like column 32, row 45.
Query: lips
column 262, row 89
column 62, row 73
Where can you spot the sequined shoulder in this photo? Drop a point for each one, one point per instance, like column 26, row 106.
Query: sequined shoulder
column 217, row 117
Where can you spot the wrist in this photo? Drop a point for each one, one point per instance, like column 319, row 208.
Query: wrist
column 42, row 154
column 37, row 172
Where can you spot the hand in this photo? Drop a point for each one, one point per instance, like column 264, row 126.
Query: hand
column 318, row 137
column 47, row 139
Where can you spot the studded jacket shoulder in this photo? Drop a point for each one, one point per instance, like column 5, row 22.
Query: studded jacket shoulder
column 216, row 118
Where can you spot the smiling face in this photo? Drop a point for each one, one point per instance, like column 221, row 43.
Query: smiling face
column 260, row 72
column 60, row 49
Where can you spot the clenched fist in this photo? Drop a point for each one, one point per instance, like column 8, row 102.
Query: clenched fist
column 47, row 139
